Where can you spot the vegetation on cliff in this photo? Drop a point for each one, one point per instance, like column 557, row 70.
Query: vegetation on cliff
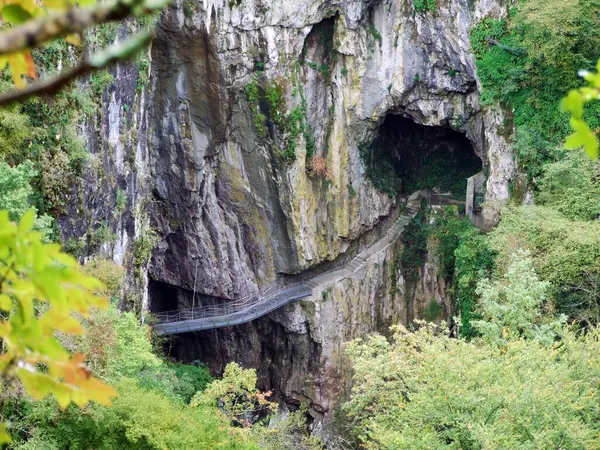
column 521, row 367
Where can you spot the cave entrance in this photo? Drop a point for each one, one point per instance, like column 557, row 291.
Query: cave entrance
column 163, row 297
column 405, row 157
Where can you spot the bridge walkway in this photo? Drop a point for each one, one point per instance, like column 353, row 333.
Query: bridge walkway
column 258, row 305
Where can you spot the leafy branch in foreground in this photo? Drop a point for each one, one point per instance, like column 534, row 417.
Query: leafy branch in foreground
column 32, row 26
column 41, row 289
column 98, row 61
column 574, row 103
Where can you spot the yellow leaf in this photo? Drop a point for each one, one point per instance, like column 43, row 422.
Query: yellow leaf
column 29, row 6
column 57, row 5
column 6, row 303
column 73, row 39
column 27, row 220
column 17, row 68
column 4, row 436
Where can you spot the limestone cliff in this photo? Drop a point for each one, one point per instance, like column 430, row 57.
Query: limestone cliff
column 237, row 139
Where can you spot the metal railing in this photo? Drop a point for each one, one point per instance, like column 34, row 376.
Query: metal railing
column 203, row 312
column 229, row 314
column 260, row 303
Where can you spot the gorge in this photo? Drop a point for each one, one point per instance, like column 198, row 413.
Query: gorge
column 258, row 141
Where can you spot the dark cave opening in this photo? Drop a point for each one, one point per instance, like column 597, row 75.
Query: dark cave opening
column 405, row 157
column 163, row 296
column 167, row 297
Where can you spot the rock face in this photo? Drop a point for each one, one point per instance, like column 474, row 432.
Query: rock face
column 237, row 141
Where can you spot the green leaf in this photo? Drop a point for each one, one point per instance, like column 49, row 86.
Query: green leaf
column 583, row 137
column 27, row 220
column 573, row 103
column 14, row 14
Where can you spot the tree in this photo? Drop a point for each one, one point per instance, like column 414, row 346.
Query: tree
column 424, row 389
column 512, row 308
column 237, row 396
column 16, row 194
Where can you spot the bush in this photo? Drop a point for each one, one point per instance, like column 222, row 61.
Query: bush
column 16, row 195
column 511, row 308
column 428, row 390
column 138, row 419
column 109, row 273
column 572, row 186
column 474, row 260
column 565, row 253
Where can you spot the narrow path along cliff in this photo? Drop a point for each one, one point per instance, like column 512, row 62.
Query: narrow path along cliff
column 253, row 307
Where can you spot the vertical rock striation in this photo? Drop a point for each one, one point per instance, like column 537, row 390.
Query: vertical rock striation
column 242, row 153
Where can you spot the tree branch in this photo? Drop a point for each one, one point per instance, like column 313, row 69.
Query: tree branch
column 513, row 50
column 98, row 61
column 35, row 32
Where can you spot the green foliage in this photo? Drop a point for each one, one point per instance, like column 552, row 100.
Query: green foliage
column 565, row 253
column 109, row 273
column 252, row 90
column 375, row 34
column 447, row 232
column 142, row 249
column 488, row 28
column 414, row 250
column 574, row 103
column 15, row 188
column 428, row 390
column 36, row 281
column 432, row 311
column 15, row 133
column 287, row 432
column 424, row 5
column 237, row 393
column 351, row 191
column 143, row 73
column 379, row 170
column 474, row 260
column 512, row 308
column 324, row 69
column 138, row 419
column 533, row 68
column 120, row 201
column 100, row 235
column 189, row 8
column 571, row 186
column 273, row 94
column 16, row 195
column 101, row 81
column 344, row 71
column 278, row 108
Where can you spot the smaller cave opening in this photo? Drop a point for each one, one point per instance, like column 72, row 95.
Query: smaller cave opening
column 405, row 157
column 163, row 297
column 167, row 297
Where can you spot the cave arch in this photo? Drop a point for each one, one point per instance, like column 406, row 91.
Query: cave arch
column 405, row 156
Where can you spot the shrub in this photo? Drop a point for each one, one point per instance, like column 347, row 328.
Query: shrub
column 565, row 253
column 424, row 5
column 318, row 166
column 425, row 389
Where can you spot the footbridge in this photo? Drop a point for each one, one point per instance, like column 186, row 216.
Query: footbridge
column 260, row 304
